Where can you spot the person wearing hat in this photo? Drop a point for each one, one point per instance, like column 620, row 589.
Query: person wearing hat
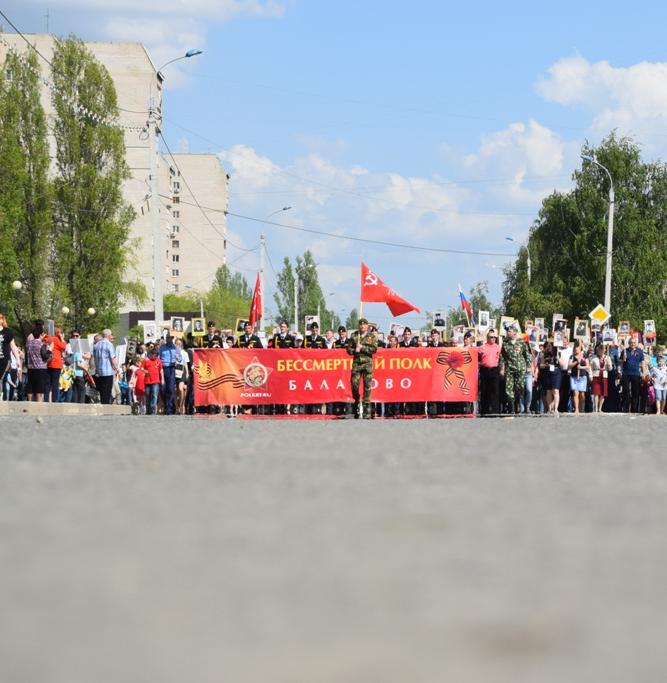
column 362, row 346
column 248, row 340
column 283, row 339
column 212, row 339
column 515, row 357
column 435, row 342
column 341, row 342
column 407, row 341
column 314, row 340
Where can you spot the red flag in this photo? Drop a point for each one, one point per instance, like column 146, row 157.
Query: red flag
column 375, row 291
column 256, row 305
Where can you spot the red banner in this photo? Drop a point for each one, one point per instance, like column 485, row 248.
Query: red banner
column 282, row 376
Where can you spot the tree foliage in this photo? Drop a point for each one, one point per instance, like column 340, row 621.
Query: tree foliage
column 568, row 243
column 91, row 218
column 310, row 297
column 233, row 283
column 229, row 298
column 25, row 196
column 352, row 322
column 479, row 300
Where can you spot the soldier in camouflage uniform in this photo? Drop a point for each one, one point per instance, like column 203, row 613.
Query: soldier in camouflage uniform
column 362, row 345
column 515, row 357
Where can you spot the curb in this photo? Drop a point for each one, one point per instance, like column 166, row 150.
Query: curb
column 30, row 409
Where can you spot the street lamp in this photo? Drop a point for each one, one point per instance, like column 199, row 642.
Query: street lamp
column 610, row 231
column 153, row 133
column 262, row 258
column 297, row 282
column 511, row 239
column 201, row 301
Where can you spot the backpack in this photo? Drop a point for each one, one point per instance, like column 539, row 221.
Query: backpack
column 46, row 353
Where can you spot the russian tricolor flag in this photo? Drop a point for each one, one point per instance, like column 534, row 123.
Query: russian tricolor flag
column 465, row 305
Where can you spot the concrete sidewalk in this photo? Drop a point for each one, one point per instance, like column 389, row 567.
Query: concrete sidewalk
column 29, row 409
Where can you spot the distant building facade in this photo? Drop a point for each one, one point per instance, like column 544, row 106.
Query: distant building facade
column 194, row 247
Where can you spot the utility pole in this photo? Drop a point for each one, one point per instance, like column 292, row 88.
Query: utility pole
column 158, row 248
column 262, row 247
column 296, row 301
column 154, row 121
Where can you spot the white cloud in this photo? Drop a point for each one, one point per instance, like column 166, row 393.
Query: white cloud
column 631, row 99
column 218, row 9
column 525, row 161
column 384, row 206
column 167, row 28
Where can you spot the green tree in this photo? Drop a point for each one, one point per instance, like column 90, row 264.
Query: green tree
column 233, row 283
column 352, row 322
column 25, row 199
column 568, row 242
column 91, row 249
column 479, row 301
column 310, row 297
column 229, row 298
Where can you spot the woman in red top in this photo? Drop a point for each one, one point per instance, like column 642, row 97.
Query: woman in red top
column 57, row 345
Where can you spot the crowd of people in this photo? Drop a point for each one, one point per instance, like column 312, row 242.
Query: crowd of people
column 516, row 375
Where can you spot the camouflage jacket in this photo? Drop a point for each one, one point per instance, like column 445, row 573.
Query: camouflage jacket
column 369, row 345
column 515, row 357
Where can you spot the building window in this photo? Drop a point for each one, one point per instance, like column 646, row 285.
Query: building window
column 177, row 214
column 175, row 272
column 175, row 258
column 177, row 187
column 175, row 288
column 177, row 200
column 174, row 244
column 175, row 228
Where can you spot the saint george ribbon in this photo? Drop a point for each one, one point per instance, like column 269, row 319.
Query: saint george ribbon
column 454, row 361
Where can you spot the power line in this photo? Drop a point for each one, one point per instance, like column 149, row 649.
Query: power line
column 354, row 239
column 206, row 216
column 354, row 193
column 34, row 48
column 369, row 241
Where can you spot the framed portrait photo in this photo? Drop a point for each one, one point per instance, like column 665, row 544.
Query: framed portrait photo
column 198, row 327
column 177, row 326
column 581, row 329
column 623, row 327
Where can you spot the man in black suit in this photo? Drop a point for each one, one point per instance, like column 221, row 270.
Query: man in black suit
column 248, row 340
column 409, row 342
column 212, row 339
column 313, row 340
column 283, row 339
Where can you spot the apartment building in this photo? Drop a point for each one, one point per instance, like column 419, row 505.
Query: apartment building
column 195, row 245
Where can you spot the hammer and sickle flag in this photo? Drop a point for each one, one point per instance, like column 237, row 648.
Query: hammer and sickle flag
column 374, row 290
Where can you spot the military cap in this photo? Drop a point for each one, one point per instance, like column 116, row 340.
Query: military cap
column 363, row 321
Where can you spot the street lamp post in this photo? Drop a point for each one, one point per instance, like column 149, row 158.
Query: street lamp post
column 511, row 239
column 610, row 231
column 154, row 115
column 297, row 282
column 262, row 258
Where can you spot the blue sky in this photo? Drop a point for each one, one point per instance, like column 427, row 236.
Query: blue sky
column 435, row 124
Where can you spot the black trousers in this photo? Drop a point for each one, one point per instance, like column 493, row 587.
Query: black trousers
column 631, row 387
column 79, row 390
column 104, row 386
column 490, row 398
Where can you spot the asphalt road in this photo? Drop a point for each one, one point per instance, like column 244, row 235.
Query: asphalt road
column 170, row 550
